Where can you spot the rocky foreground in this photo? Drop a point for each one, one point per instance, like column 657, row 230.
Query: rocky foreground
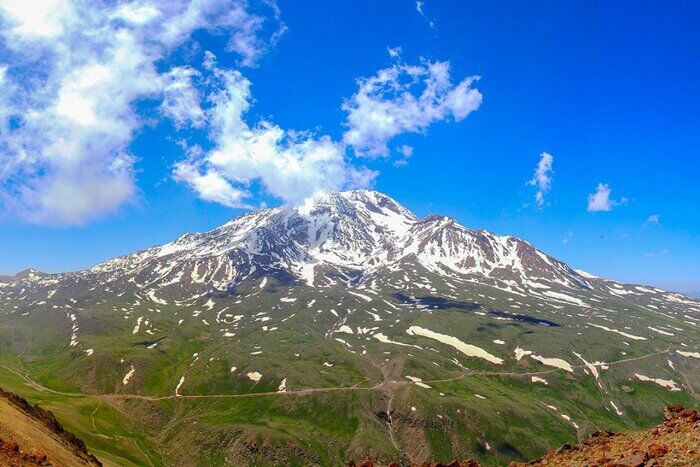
column 30, row 436
column 675, row 442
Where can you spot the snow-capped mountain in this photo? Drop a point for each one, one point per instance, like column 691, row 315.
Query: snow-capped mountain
column 353, row 237
column 355, row 295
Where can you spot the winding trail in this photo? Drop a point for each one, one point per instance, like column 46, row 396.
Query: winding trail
column 385, row 385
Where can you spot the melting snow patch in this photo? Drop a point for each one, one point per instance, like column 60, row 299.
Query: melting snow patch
column 345, row 329
column 138, row 325
column 617, row 411
column 382, row 338
column 90, row 352
column 605, row 328
column 364, row 297
column 499, row 342
column 554, row 362
column 520, row 353
column 568, row 419
column 418, row 382
column 254, row 376
column 667, row 383
column 128, row 376
column 467, row 349
column 283, row 386
column 537, row 379
column 661, row 331
column 562, row 296
column 179, row 385
column 688, row 354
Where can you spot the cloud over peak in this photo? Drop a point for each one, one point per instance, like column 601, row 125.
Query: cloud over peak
column 81, row 80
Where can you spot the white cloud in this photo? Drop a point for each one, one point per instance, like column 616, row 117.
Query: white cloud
column 85, row 78
column 291, row 166
column 210, row 186
column 406, row 152
column 181, row 99
column 601, row 201
column 419, row 8
column 659, row 254
column 542, row 178
column 394, row 52
column 652, row 220
column 405, row 99
column 73, row 93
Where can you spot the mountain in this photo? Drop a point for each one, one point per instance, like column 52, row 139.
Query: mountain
column 343, row 329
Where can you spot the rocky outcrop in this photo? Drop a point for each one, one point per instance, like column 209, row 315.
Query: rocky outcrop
column 48, row 420
column 12, row 456
column 674, row 442
column 369, row 463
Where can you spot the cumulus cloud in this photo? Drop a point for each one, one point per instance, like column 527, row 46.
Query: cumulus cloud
column 296, row 165
column 542, row 178
column 405, row 152
column 290, row 165
column 80, row 72
column 405, row 99
column 81, row 80
column 601, row 201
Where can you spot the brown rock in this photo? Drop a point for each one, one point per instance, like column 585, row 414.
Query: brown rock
column 635, row 460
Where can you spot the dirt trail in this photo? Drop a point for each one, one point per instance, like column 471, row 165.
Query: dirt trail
column 383, row 385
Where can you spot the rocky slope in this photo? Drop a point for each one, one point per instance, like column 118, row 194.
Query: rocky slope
column 675, row 442
column 30, row 435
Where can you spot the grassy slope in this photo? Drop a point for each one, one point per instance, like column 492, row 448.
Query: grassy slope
column 449, row 420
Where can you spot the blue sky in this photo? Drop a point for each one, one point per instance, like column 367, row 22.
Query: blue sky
column 606, row 88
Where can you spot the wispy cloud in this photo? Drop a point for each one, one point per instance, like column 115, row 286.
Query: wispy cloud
column 658, row 254
column 600, row 200
column 405, row 152
column 542, row 178
column 652, row 220
column 566, row 239
column 420, row 5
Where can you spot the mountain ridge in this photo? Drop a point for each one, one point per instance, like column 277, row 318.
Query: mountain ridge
column 390, row 234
